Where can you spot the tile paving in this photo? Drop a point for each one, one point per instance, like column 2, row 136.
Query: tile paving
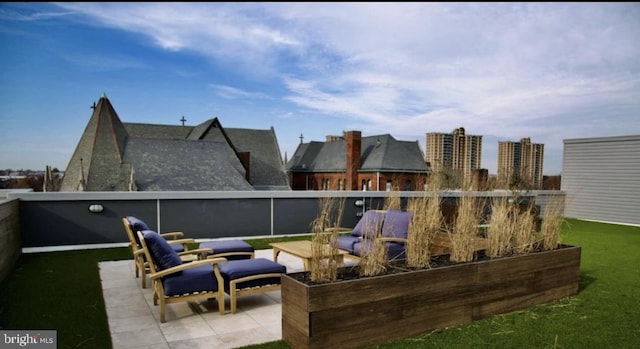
column 134, row 320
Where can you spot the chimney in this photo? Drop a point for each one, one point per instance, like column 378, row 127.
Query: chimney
column 245, row 157
column 354, row 145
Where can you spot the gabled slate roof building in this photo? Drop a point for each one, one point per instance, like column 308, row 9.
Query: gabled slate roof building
column 116, row 156
column 353, row 162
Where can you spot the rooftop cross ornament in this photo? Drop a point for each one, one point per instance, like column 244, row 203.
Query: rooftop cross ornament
column 301, row 138
column 93, row 106
column 183, row 120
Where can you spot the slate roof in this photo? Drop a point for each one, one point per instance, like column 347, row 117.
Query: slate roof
column 179, row 165
column 381, row 153
column 266, row 168
column 116, row 156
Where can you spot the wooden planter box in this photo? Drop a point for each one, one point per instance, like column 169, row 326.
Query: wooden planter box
column 374, row 310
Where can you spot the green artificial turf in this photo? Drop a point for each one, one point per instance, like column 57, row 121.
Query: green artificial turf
column 604, row 313
column 61, row 290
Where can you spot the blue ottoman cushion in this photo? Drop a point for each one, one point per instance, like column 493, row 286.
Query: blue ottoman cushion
column 226, row 246
column 236, row 269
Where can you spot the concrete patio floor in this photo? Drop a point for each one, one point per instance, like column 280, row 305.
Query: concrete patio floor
column 134, row 322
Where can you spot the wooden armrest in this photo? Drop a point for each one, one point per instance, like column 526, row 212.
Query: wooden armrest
column 338, row 229
column 184, row 266
column 181, row 241
column 401, row 240
column 172, row 234
column 196, row 251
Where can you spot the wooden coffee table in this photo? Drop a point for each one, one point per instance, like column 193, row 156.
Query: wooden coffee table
column 301, row 249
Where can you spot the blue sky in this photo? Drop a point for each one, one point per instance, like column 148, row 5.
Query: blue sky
column 548, row 71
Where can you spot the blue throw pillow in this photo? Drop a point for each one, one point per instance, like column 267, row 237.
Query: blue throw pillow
column 396, row 224
column 369, row 224
column 161, row 252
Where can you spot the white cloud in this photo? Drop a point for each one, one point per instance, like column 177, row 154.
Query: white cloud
column 228, row 92
column 542, row 70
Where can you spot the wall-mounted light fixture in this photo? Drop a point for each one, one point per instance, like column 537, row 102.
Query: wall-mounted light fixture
column 359, row 203
column 96, row 208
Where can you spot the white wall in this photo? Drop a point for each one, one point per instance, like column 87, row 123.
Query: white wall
column 601, row 179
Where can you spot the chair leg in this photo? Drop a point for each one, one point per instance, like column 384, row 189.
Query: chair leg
column 220, row 298
column 162, row 310
column 232, row 296
column 143, row 277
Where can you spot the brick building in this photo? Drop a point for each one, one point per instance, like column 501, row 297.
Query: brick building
column 353, row 162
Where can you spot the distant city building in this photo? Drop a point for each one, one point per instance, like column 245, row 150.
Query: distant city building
column 353, row 162
column 116, row 156
column 456, row 151
column 520, row 163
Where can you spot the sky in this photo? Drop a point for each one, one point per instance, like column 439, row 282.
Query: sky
column 505, row 71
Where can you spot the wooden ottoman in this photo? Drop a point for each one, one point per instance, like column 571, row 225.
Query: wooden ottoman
column 248, row 276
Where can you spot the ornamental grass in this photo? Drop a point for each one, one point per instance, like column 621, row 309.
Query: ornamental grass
column 465, row 229
column 524, row 232
column 500, row 228
column 425, row 223
column 373, row 259
column 324, row 249
column 552, row 219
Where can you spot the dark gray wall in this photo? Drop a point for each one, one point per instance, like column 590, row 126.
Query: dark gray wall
column 61, row 219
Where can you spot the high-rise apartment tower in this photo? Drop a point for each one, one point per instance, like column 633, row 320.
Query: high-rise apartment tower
column 523, row 159
column 456, row 151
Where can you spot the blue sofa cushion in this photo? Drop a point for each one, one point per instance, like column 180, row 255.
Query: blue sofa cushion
column 369, row 224
column 190, row 280
column 396, row 224
column 163, row 255
column 236, row 269
column 225, row 246
column 394, row 250
column 346, row 242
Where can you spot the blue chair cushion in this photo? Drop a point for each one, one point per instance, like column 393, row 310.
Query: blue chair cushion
column 369, row 224
column 139, row 225
column 236, row 269
column 161, row 252
column 190, row 280
column 224, row 246
column 136, row 226
column 396, row 224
